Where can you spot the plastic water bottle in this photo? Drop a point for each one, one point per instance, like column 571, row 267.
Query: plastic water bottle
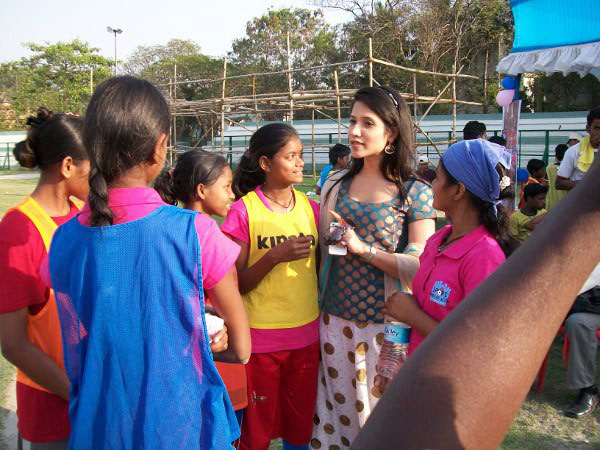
column 394, row 349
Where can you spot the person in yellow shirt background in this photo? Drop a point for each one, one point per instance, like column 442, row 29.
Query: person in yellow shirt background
column 554, row 195
column 526, row 219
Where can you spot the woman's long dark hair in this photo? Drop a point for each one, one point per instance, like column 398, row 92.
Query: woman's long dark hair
column 266, row 141
column 391, row 108
column 123, row 122
column 50, row 139
column 193, row 167
column 495, row 222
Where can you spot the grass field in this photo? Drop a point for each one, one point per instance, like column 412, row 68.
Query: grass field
column 539, row 425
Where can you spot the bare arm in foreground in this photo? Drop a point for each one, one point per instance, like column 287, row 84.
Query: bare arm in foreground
column 466, row 382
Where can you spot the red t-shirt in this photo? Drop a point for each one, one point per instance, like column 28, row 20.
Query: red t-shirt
column 42, row 416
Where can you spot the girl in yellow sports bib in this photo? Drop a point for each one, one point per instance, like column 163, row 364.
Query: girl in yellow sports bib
column 276, row 228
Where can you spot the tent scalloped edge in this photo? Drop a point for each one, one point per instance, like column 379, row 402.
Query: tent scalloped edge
column 583, row 59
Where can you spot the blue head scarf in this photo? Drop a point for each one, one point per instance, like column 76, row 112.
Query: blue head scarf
column 473, row 163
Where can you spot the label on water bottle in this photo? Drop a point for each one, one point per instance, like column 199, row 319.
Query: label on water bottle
column 397, row 334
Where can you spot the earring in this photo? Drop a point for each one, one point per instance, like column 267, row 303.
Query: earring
column 389, row 149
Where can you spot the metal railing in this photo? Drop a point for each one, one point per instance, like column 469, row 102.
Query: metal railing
column 6, row 158
column 538, row 144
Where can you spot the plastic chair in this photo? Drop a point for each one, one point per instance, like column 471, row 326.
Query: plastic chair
column 565, row 356
column 542, row 373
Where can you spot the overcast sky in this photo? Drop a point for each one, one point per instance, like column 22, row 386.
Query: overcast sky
column 213, row 24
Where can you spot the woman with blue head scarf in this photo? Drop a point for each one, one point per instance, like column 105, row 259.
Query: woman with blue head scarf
column 461, row 255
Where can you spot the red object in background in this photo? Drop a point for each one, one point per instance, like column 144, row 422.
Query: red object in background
column 233, row 375
column 565, row 356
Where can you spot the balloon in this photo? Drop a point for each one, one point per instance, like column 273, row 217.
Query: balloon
column 522, row 175
column 509, row 83
column 505, row 97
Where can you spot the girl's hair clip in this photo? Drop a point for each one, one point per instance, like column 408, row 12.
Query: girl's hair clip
column 390, row 95
column 247, row 154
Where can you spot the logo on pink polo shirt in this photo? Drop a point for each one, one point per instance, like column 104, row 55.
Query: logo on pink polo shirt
column 440, row 293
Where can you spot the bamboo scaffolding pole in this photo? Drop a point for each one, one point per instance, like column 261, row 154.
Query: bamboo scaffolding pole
column 170, row 123
column 289, row 74
column 183, row 105
column 315, row 100
column 201, row 137
column 415, row 101
column 424, row 72
column 255, row 104
column 371, row 62
column 231, row 121
column 415, row 96
column 314, row 163
column 419, row 144
column 454, row 104
column 434, row 143
column 223, row 106
column 329, row 117
column 339, row 110
column 435, row 101
column 299, row 107
column 212, row 132
column 280, row 110
column 174, row 148
column 277, row 72
column 438, row 97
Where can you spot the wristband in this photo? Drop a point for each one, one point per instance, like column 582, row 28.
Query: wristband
column 372, row 252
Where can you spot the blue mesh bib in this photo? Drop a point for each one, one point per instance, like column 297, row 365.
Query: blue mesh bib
column 131, row 308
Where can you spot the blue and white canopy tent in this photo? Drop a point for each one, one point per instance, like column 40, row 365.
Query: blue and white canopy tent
column 554, row 36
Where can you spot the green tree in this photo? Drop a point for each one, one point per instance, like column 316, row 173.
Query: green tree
column 56, row 76
column 264, row 49
column 183, row 59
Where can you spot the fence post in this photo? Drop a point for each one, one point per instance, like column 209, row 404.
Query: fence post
column 547, row 149
column 7, row 156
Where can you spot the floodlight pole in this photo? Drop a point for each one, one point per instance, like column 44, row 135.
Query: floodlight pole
column 115, row 31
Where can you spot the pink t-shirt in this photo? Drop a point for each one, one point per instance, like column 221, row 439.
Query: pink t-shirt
column 445, row 278
column 270, row 340
column 218, row 253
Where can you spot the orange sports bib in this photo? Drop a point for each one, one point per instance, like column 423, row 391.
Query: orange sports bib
column 43, row 328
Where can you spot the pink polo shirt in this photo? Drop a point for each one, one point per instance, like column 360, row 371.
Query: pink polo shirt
column 270, row 340
column 445, row 278
column 218, row 253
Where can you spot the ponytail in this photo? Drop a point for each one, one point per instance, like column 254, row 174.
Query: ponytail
column 194, row 167
column 248, row 175
column 51, row 138
column 164, row 186
column 98, row 198
column 496, row 222
column 266, row 141
column 125, row 119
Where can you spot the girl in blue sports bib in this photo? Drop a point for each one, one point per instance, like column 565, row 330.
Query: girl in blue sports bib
column 131, row 299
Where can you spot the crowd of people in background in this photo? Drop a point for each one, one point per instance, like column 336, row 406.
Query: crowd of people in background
column 136, row 321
